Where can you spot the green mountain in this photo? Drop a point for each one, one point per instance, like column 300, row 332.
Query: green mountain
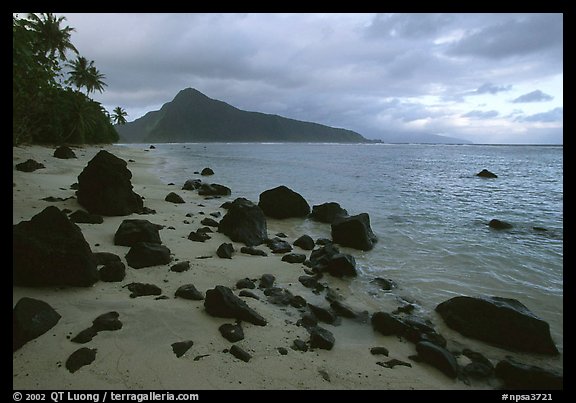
column 193, row 117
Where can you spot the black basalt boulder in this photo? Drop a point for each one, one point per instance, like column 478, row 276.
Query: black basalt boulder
column 516, row 375
column 504, row 322
column 328, row 212
column 438, row 357
column 244, row 222
column 132, row 231
column 213, row 189
column 64, row 152
column 499, row 225
column 105, row 187
column 221, row 302
column 83, row 217
column 354, row 232
column 51, row 250
column 486, row 174
column 31, row 318
column 282, row 202
column 29, row 166
column 146, row 254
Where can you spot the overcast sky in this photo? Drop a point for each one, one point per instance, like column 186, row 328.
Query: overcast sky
column 487, row 78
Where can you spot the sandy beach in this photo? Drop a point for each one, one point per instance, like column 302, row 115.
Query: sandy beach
column 139, row 356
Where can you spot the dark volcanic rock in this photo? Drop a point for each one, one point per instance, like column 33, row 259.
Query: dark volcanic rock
column 354, row 231
column 278, row 246
column 486, row 174
column 294, row 258
column 207, row 172
column 248, row 294
column 232, row 333
column 198, row 236
column 328, row 212
column 222, row 303
column 64, row 152
column 240, row 353
column 174, row 198
column 321, row 338
column 388, row 324
column 341, row 265
column 84, row 336
column 103, row 258
column 438, row 357
column 51, row 250
column 497, row 224
column 83, row 217
column 305, row 242
column 225, row 251
column 113, row 272
column 384, row 283
column 379, row 351
column 29, row 166
column 133, row 231
column 279, row 296
column 253, row 251
column 520, row 376
column 104, row 187
column 311, row 282
column 210, row 222
column 343, row 310
column 141, row 289
column 244, row 222
column 504, row 322
column 266, row 281
column 31, row 318
column 179, row 348
column 282, row 202
column 245, row 283
column 79, row 358
column 394, row 362
column 213, row 189
column 192, row 184
column 320, row 257
column 188, row 291
column 145, row 254
column 181, row 266
column 479, row 368
column 299, row 345
column 323, row 314
column 107, row 321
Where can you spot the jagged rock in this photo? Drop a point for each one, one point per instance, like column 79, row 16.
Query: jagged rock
column 51, row 250
column 31, row 318
column 497, row 224
column 253, row 251
column 438, row 357
column 225, row 251
column 232, row 333
column 133, row 231
column 520, row 376
column 294, row 258
column 29, row 166
column 189, row 291
column 79, row 358
column 354, row 232
column 105, row 188
column 83, row 217
column 321, row 338
column 282, row 202
column 112, row 272
column 181, row 347
column 198, row 236
column 174, row 198
column 221, row 302
column 240, row 353
column 327, row 212
column 244, row 222
column 210, row 222
column 278, row 246
column 145, row 254
column 394, row 362
column 64, row 152
column 486, row 174
column 341, row 265
column 504, row 322
column 141, row 289
column 305, row 242
column 181, row 266
column 323, row 314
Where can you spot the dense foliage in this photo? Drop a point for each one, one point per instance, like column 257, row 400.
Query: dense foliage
column 46, row 109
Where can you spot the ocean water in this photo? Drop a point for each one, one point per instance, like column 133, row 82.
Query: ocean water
column 427, row 207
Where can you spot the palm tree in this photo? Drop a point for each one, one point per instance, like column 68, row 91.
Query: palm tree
column 85, row 74
column 52, row 38
column 119, row 116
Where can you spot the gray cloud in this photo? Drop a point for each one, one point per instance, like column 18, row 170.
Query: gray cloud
column 534, row 96
column 553, row 115
column 476, row 114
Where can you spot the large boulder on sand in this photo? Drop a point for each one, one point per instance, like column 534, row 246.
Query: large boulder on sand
column 105, row 187
column 31, row 318
column 222, row 303
column 50, row 250
column 133, row 231
column 354, row 232
column 504, row 322
column 282, row 202
column 244, row 222
column 327, row 212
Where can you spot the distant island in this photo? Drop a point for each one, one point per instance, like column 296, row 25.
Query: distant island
column 193, row 117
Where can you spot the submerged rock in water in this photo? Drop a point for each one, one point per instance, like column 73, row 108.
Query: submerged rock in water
column 504, row 322
column 497, row 224
column 328, row 212
column 486, row 174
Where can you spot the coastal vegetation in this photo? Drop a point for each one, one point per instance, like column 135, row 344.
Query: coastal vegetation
column 46, row 66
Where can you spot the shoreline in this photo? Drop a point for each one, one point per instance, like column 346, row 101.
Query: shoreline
column 139, row 356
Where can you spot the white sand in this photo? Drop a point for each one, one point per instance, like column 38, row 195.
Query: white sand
column 139, row 356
